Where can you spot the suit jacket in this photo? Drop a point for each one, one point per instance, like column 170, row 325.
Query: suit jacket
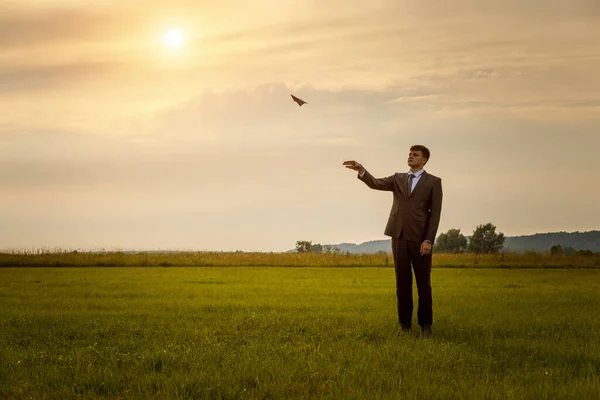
column 415, row 215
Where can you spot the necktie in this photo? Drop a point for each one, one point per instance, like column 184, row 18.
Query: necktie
column 410, row 180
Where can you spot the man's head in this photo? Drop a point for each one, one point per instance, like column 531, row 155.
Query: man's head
column 418, row 156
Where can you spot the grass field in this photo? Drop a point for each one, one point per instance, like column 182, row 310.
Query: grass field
column 266, row 332
column 62, row 258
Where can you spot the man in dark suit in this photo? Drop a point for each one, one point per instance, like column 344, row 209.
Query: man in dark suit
column 412, row 225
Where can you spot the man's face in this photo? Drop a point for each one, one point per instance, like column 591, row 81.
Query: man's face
column 416, row 159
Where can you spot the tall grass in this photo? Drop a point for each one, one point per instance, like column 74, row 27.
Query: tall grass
column 59, row 258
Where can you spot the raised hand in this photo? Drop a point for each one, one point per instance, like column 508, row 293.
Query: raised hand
column 353, row 165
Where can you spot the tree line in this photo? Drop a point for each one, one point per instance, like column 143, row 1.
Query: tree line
column 307, row 246
column 484, row 240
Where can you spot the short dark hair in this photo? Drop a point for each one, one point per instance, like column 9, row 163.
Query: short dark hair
column 423, row 149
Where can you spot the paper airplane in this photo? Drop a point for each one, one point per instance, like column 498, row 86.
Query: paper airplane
column 299, row 101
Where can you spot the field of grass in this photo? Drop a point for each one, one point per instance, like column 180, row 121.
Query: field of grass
column 264, row 332
column 237, row 259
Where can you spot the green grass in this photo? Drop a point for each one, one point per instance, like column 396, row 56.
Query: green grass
column 264, row 332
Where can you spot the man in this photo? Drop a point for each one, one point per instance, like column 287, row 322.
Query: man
column 412, row 225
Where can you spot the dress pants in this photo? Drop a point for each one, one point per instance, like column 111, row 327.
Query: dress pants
column 405, row 253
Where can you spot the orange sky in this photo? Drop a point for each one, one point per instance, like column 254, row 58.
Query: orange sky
column 108, row 139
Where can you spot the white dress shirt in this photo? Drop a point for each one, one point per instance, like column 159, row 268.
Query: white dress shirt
column 417, row 176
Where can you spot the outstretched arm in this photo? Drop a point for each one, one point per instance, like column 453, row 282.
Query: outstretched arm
column 386, row 183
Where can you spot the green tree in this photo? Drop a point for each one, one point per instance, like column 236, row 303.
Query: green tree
column 556, row 250
column 303, row 246
column 451, row 242
column 486, row 240
column 317, row 248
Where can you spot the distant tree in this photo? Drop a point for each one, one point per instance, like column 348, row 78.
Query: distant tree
column 585, row 253
column 317, row 248
column 556, row 250
column 451, row 242
column 303, row 246
column 486, row 240
column 569, row 250
column 329, row 249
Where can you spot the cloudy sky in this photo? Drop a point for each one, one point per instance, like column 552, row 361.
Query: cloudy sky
column 110, row 139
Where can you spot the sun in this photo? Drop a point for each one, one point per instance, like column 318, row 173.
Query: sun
column 173, row 39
